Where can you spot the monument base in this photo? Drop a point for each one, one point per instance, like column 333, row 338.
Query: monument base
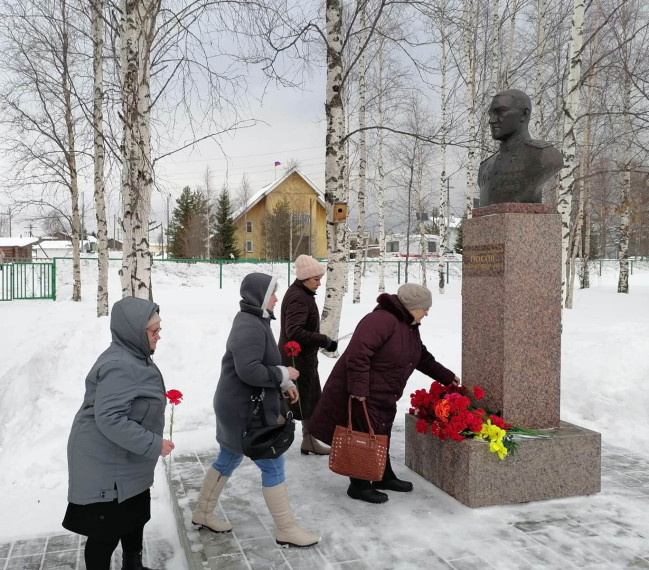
column 566, row 464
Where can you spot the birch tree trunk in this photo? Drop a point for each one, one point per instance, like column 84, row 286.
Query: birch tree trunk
column 380, row 171
column 510, row 44
column 137, row 30
column 494, row 85
column 71, row 153
column 538, row 83
column 569, row 146
column 575, row 237
column 362, row 163
column 576, row 240
column 469, row 56
column 423, row 240
column 443, row 188
column 347, row 234
column 128, row 150
column 334, row 170
column 585, row 255
column 409, row 209
column 625, row 179
column 584, row 278
column 97, row 8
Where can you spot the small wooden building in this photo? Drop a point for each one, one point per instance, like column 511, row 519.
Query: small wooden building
column 307, row 227
column 16, row 249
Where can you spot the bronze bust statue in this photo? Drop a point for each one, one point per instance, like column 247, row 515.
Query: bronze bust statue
column 521, row 167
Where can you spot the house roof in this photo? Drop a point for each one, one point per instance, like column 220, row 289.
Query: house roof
column 56, row 244
column 412, row 235
column 264, row 191
column 17, row 242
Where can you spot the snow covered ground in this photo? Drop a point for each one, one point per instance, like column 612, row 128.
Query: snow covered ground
column 47, row 348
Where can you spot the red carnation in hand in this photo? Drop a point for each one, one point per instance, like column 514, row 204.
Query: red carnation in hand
column 292, row 348
column 478, row 393
column 174, row 396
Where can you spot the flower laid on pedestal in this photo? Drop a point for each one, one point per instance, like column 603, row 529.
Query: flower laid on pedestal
column 174, row 397
column 448, row 413
column 292, row 349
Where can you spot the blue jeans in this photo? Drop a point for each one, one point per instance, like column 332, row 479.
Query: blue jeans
column 272, row 470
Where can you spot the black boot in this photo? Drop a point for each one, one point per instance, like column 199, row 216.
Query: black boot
column 362, row 491
column 133, row 561
column 390, row 482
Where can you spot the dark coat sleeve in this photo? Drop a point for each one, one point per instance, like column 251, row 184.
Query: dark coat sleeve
column 248, row 346
column 429, row 366
column 295, row 320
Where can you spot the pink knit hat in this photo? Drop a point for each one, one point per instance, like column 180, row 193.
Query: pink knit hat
column 307, row 267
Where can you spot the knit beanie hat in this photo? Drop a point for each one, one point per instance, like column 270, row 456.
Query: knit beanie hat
column 307, row 267
column 415, row 296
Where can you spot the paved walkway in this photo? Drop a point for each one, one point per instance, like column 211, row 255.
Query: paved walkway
column 64, row 551
column 590, row 532
column 607, row 531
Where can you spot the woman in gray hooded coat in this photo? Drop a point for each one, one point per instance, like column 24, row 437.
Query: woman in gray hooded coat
column 116, row 439
column 252, row 361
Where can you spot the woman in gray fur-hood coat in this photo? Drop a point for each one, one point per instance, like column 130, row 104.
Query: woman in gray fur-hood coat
column 252, row 361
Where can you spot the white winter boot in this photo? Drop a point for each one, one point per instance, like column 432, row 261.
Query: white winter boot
column 204, row 512
column 287, row 533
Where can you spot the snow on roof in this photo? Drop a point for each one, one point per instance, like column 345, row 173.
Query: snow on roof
column 56, row 244
column 17, row 242
column 413, row 235
column 265, row 190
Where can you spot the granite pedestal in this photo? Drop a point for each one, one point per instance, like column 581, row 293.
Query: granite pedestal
column 564, row 465
column 511, row 347
column 511, row 312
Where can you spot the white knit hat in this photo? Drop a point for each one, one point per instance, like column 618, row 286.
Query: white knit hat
column 307, row 267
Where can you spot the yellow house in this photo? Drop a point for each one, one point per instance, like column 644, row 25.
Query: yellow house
column 306, row 232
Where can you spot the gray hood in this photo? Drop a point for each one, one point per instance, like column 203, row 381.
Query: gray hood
column 256, row 290
column 128, row 320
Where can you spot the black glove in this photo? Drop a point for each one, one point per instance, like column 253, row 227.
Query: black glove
column 332, row 345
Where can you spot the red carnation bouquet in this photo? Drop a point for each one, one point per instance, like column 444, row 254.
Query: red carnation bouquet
column 174, row 397
column 448, row 412
column 292, row 349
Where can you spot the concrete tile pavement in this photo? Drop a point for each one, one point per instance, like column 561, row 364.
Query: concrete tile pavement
column 571, row 533
column 64, row 551
column 590, row 533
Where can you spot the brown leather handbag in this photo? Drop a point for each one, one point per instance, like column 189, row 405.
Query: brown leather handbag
column 358, row 454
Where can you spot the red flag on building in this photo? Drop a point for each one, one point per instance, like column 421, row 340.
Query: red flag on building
column 277, row 163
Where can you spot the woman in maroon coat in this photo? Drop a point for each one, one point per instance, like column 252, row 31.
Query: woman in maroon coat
column 384, row 351
column 300, row 322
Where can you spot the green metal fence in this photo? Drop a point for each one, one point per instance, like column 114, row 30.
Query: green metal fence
column 27, row 281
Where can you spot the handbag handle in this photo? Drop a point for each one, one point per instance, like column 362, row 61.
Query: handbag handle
column 367, row 417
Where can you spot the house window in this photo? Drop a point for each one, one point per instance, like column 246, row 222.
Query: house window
column 432, row 247
column 302, row 219
column 249, row 227
column 392, row 246
column 249, row 248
